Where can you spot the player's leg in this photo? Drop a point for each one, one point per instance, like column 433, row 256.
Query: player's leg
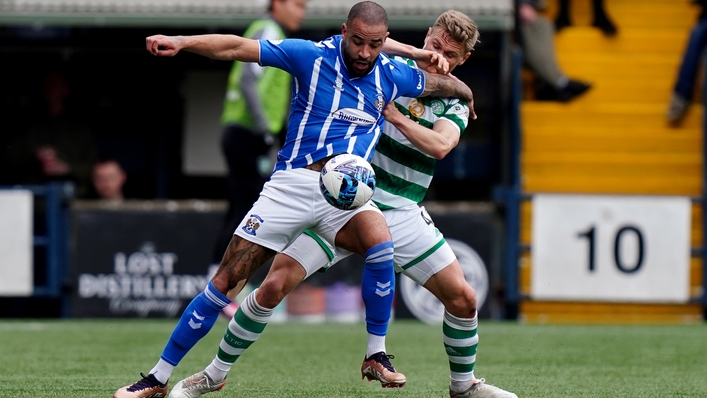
column 243, row 330
column 460, row 332
column 425, row 257
column 285, row 273
column 267, row 228
column 459, row 323
column 367, row 234
column 251, row 318
column 241, row 260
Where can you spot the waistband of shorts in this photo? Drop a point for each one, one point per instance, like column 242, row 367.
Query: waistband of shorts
column 319, row 164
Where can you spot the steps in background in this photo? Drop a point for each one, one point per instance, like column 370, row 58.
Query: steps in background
column 615, row 139
column 609, row 313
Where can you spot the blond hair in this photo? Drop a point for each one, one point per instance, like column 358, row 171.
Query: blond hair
column 459, row 27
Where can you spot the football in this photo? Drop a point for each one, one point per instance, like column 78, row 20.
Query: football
column 347, row 181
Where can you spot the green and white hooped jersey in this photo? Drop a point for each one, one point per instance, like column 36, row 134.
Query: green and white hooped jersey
column 403, row 172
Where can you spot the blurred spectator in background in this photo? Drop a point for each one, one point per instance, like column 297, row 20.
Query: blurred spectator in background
column 687, row 74
column 108, row 180
column 601, row 18
column 255, row 110
column 56, row 143
column 537, row 38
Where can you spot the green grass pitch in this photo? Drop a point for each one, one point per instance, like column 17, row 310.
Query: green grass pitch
column 92, row 358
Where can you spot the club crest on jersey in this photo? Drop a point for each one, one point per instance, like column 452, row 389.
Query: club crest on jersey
column 252, row 224
column 416, row 108
column 355, row 116
column 379, row 103
column 437, row 107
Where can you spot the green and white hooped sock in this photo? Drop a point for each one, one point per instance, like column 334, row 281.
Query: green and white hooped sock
column 245, row 327
column 460, row 342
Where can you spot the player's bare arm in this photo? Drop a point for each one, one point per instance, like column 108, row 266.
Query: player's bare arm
column 221, row 47
column 436, row 142
column 437, row 63
column 448, row 86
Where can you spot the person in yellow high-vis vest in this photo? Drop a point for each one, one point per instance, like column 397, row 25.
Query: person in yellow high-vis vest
column 255, row 109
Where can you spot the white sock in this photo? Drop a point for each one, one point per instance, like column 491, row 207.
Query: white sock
column 162, row 371
column 375, row 344
column 217, row 370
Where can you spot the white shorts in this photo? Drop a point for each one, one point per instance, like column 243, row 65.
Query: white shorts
column 420, row 249
column 289, row 204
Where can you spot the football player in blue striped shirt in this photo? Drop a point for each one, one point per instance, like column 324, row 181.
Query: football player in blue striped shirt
column 340, row 88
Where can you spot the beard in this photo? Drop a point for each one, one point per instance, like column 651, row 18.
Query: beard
column 352, row 63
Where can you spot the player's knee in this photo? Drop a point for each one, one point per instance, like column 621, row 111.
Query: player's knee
column 270, row 293
column 463, row 305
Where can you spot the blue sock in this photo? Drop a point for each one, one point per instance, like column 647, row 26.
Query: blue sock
column 378, row 287
column 196, row 321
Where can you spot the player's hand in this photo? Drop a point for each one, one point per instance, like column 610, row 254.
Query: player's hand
column 436, row 62
column 472, row 113
column 470, row 101
column 439, row 63
column 163, row 46
column 391, row 113
column 469, row 97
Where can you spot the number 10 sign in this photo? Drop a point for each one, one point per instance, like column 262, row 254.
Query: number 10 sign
column 610, row 248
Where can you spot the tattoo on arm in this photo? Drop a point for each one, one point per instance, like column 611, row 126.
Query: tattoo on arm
column 445, row 86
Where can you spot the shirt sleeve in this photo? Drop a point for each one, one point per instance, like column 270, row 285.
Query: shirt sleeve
column 284, row 54
column 409, row 81
column 457, row 113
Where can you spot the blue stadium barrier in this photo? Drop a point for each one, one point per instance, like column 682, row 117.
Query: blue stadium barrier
column 57, row 197
column 510, row 195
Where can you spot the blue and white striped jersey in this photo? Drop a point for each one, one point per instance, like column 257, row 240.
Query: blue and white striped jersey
column 332, row 112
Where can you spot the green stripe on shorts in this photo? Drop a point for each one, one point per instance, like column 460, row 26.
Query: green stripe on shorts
column 424, row 255
column 321, row 243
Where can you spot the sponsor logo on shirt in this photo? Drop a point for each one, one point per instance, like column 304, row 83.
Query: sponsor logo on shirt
column 416, row 108
column 355, row 116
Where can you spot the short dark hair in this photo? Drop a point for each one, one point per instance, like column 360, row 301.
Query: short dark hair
column 368, row 12
column 103, row 159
